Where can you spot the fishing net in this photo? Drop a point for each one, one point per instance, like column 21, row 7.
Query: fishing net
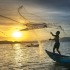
column 38, row 28
column 34, row 27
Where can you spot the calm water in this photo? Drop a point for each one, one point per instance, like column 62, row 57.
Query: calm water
column 19, row 57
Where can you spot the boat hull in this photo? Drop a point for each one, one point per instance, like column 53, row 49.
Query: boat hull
column 58, row 58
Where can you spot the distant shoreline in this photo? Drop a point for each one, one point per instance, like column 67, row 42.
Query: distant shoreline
column 11, row 42
column 21, row 42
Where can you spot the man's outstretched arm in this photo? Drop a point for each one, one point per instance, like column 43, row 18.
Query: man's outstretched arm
column 52, row 34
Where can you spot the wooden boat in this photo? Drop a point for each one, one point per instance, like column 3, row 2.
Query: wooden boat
column 59, row 58
column 33, row 45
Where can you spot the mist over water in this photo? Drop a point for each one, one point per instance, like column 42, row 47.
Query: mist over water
column 19, row 57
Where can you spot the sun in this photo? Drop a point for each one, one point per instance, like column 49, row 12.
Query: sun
column 17, row 34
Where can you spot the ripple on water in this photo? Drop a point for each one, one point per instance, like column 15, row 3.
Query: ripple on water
column 26, row 58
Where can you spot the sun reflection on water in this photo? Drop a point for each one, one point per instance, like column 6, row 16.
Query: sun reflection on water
column 21, row 54
column 18, row 54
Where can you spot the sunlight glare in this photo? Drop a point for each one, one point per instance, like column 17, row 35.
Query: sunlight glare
column 17, row 34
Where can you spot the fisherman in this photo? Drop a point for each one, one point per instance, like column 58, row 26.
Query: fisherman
column 57, row 43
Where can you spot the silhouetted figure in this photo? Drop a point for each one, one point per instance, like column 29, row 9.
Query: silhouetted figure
column 57, row 43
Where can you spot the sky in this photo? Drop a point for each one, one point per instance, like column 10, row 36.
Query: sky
column 49, row 11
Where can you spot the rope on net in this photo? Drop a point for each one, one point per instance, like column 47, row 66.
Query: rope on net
column 37, row 37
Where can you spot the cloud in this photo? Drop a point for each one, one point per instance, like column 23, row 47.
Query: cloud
column 58, row 10
column 58, row 4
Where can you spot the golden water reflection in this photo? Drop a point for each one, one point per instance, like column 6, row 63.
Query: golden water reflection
column 19, row 57
column 20, row 53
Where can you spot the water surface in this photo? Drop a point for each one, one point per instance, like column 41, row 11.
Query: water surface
column 19, row 57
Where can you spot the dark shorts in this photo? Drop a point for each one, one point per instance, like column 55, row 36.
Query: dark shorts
column 57, row 45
